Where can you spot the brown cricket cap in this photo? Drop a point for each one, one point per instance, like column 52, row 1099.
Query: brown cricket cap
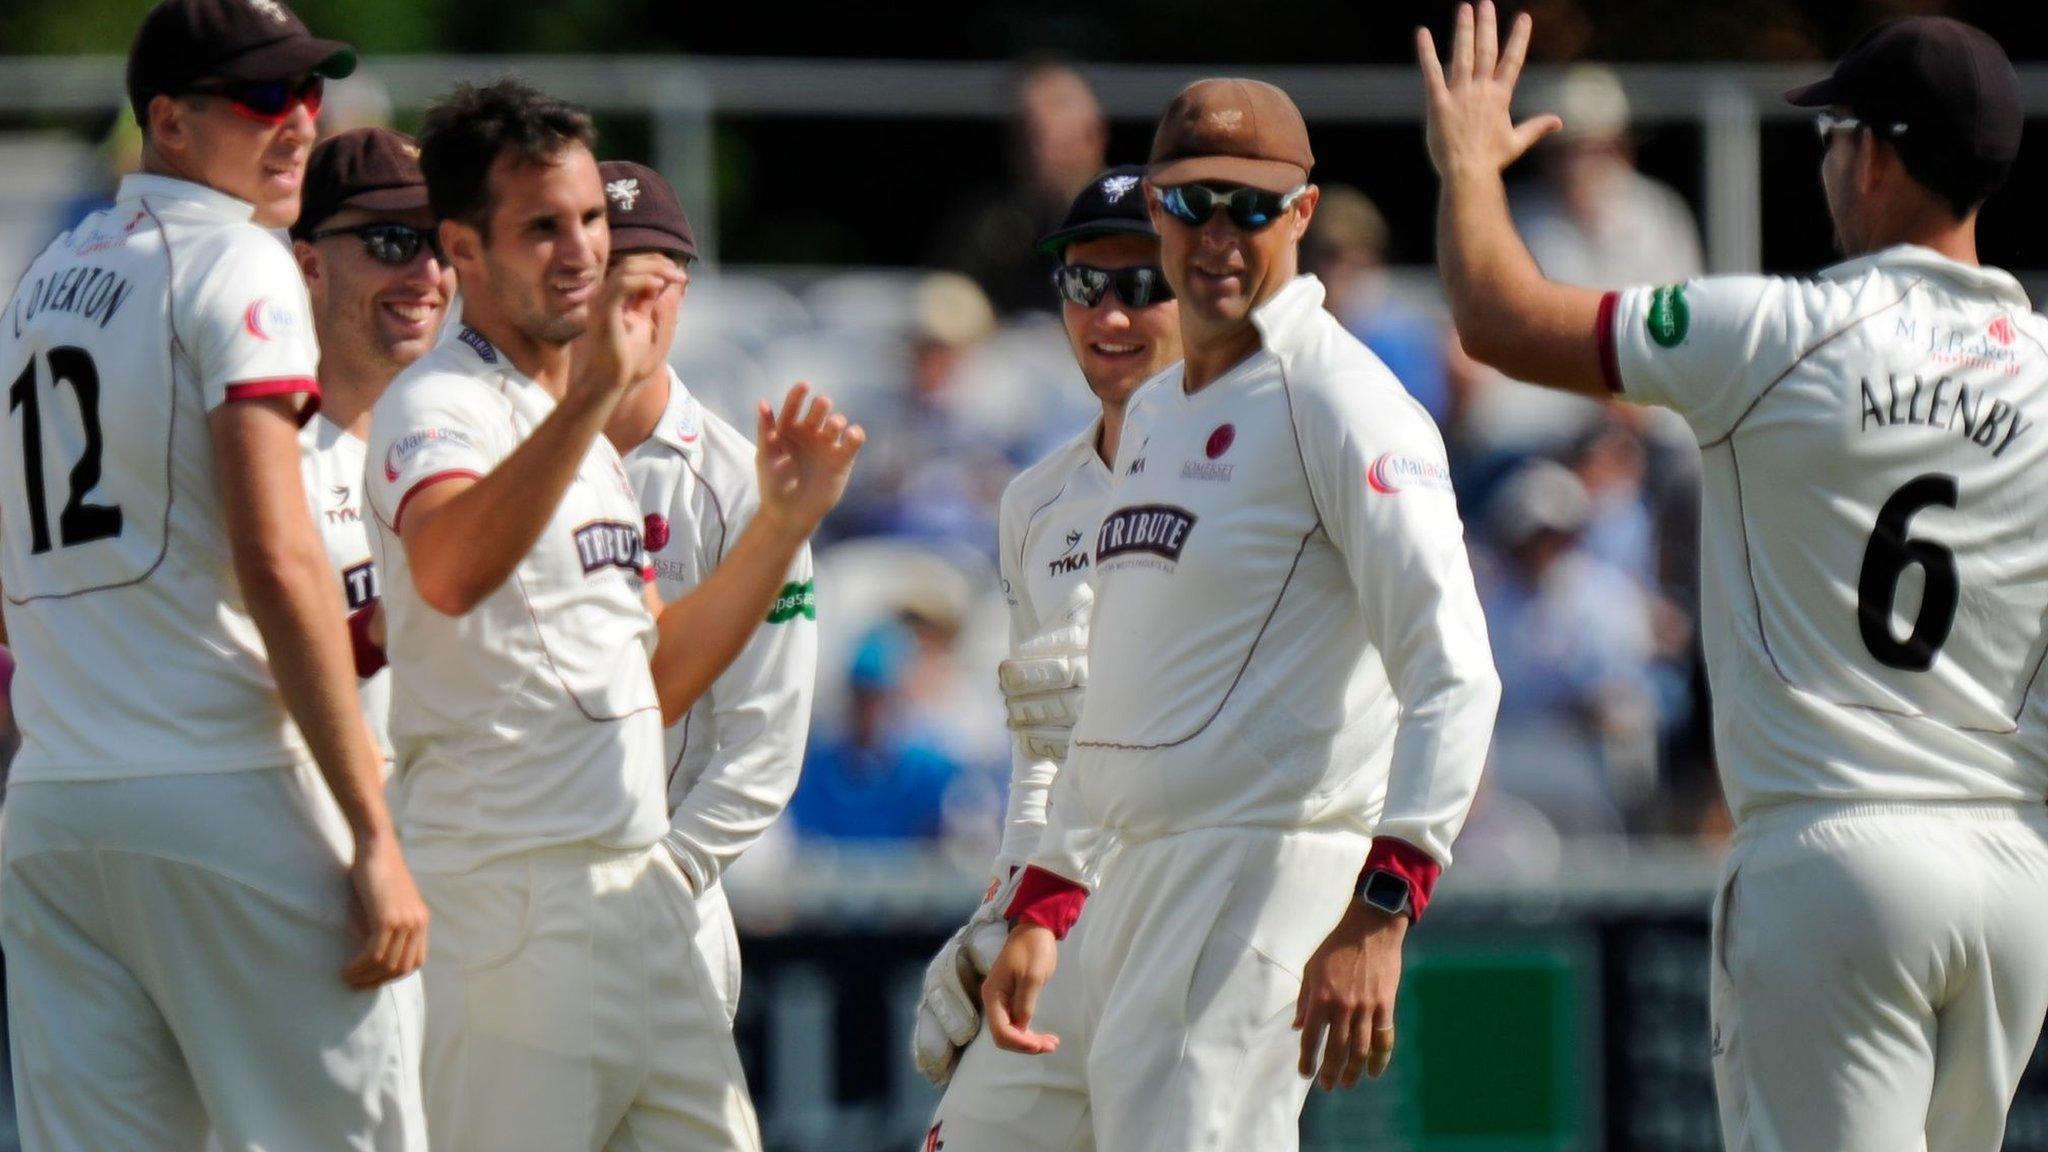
column 1232, row 131
column 643, row 211
column 1950, row 84
column 185, row 41
column 374, row 169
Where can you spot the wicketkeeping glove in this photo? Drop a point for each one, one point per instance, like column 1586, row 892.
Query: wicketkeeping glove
column 949, row 1011
column 1044, row 679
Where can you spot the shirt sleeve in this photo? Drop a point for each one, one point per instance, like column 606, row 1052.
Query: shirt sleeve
column 1707, row 349
column 761, row 718
column 245, row 322
column 426, row 430
column 1381, row 482
column 1030, row 777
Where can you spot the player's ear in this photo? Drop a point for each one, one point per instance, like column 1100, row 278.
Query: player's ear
column 1305, row 210
column 460, row 241
column 167, row 127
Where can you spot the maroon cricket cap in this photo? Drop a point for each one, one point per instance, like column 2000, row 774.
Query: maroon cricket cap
column 643, row 211
column 1950, row 84
column 374, row 169
column 184, row 41
column 1232, row 131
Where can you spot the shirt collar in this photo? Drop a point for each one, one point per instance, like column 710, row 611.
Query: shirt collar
column 210, row 200
column 682, row 423
column 1994, row 282
column 1286, row 319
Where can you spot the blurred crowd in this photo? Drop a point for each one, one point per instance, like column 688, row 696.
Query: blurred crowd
column 1581, row 517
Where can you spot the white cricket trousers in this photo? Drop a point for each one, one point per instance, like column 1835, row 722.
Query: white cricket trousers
column 174, row 954
column 1174, row 1004
column 569, row 1006
column 1880, row 974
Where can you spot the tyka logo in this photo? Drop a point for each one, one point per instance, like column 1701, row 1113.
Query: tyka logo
column 1069, row 561
column 1159, row 529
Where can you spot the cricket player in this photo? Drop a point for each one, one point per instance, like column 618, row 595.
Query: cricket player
column 366, row 245
column 531, row 678
column 1291, row 691
column 733, row 758
column 182, row 889
column 1875, row 582
column 1124, row 328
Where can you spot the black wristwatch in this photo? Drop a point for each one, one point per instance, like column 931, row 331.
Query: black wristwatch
column 1387, row 892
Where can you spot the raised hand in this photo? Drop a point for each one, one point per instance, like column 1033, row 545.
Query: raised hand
column 622, row 339
column 803, row 459
column 1470, row 124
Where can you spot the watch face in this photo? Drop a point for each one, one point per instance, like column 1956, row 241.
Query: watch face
column 1386, row 892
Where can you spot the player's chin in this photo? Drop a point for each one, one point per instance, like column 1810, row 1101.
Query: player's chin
column 277, row 208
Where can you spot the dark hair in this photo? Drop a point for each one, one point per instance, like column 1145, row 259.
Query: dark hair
column 1961, row 181
column 464, row 134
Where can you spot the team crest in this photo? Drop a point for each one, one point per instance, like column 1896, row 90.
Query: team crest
column 1117, row 187
column 272, row 9
column 1227, row 118
column 624, row 192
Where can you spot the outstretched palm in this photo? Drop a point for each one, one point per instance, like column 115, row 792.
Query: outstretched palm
column 803, row 459
column 1470, row 125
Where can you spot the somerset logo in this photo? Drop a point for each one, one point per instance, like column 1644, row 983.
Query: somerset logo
column 604, row 544
column 657, row 531
column 1159, row 529
column 1394, row 473
column 1117, row 187
column 1220, row 440
column 625, row 193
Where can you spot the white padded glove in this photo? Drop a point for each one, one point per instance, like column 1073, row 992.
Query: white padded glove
column 949, row 1010
column 1043, row 680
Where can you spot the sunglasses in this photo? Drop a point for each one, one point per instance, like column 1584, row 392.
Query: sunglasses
column 1084, row 285
column 393, row 244
column 1826, row 124
column 1250, row 208
column 269, row 101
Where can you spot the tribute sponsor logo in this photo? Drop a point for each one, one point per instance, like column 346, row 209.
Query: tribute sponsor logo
column 604, row 544
column 1159, row 529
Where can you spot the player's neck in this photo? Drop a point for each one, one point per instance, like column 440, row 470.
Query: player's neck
column 1107, row 436
column 1212, row 352
column 546, row 364
column 349, row 387
column 636, row 417
column 1930, row 227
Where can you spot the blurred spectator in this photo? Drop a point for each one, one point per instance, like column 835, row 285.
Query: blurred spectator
column 1060, row 141
column 1573, row 641
column 361, row 101
column 1589, row 218
column 1346, row 248
column 117, row 154
column 928, row 472
column 886, row 777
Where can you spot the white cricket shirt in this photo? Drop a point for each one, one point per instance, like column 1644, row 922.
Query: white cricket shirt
column 332, row 462
column 531, row 721
column 734, row 758
column 1875, row 561
column 1046, row 534
column 1285, row 631
column 136, row 654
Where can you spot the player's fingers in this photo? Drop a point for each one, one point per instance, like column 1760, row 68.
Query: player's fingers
column 1312, row 1027
column 835, row 428
column 793, row 405
column 1432, row 68
column 1380, row 1052
column 821, row 410
column 1517, row 51
column 1334, row 1048
column 1355, row 1052
column 1486, row 46
column 854, row 438
column 1461, row 46
column 1535, row 128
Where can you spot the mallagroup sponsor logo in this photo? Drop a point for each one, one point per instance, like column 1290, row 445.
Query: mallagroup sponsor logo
column 1393, row 473
column 409, row 445
column 1159, row 529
